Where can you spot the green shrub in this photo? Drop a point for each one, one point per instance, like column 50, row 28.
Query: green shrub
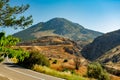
column 19, row 54
column 35, row 58
column 65, row 70
column 50, row 58
column 68, row 70
column 65, row 60
column 1, row 59
column 95, row 70
column 54, row 62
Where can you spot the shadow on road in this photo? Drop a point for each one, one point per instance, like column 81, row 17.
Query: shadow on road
column 13, row 65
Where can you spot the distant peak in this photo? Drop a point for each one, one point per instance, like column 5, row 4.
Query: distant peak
column 58, row 19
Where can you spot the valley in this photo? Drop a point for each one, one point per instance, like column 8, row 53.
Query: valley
column 54, row 48
column 59, row 40
column 57, row 43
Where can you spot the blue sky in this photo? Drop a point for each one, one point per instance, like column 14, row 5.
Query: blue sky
column 98, row 15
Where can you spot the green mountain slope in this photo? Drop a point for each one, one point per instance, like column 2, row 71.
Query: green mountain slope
column 101, row 45
column 58, row 27
column 112, row 56
column 111, row 60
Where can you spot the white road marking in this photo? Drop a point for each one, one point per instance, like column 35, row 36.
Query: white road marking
column 24, row 73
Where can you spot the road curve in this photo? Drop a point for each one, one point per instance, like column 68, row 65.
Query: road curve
column 15, row 72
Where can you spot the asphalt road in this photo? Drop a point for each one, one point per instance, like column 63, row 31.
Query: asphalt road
column 14, row 72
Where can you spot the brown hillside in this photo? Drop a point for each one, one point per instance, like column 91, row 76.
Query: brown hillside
column 60, row 49
column 54, row 46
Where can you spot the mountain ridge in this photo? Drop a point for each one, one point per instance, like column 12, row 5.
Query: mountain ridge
column 58, row 27
column 101, row 45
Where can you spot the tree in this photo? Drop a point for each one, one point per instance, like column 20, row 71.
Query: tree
column 8, row 41
column 77, row 63
column 19, row 54
column 8, row 15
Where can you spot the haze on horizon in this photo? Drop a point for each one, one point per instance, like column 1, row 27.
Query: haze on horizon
column 98, row 15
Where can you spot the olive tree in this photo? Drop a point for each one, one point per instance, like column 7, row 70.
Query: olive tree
column 9, row 15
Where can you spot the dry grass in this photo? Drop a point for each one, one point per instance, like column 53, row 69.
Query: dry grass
column 44, row 33
column 82, row 70
column 64, row 75
column 51, row 51
column 70, row 65
column 60, row 65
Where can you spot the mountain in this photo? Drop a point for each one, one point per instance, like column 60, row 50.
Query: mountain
column 111, row 56
column 111, row 60
column 102, row 45
column 58, row 27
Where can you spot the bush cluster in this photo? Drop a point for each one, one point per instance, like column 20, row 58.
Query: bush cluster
column 65, row 60
column 1, row 59
column 54, row 62
column 35, row 58
column 96, row 71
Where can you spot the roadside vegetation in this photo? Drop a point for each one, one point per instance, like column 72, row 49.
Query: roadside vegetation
column 34, row 58
column 6, row 49
column 65, row 75
column 95, row 70
column 10, row 17
column 38, row 62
